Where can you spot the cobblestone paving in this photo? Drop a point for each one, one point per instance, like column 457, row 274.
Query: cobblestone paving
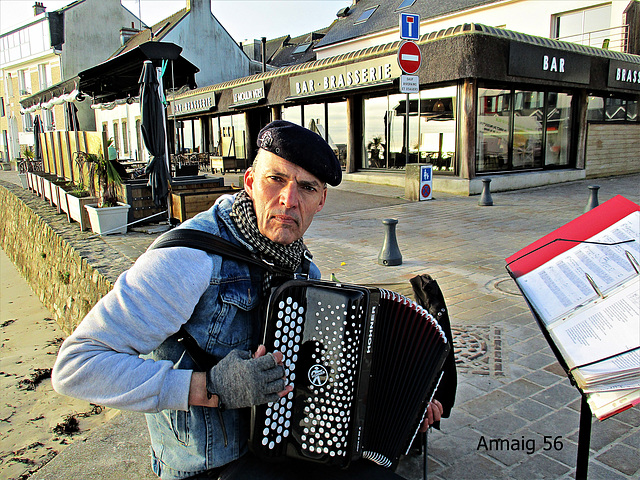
column 510, row 386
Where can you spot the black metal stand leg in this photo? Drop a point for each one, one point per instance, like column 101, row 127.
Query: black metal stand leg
column 425, row 471
column 584, row 440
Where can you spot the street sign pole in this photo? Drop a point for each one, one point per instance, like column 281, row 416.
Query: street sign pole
column 406, row 133
column 409, row 59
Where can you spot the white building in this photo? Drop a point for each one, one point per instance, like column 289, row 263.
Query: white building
column 50, row 48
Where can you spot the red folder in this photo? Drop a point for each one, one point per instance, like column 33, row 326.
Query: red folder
column 580, row 229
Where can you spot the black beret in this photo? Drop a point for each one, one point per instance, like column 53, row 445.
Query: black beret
column 303, row 147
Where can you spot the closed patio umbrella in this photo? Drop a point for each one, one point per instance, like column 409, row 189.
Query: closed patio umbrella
column 37, row 146
column 153, row 133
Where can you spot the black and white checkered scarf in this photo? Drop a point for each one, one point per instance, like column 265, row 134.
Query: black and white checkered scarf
column 244, row 216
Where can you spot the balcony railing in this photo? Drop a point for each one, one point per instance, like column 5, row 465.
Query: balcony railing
column 614, row 38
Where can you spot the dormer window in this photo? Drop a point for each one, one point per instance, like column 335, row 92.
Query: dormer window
column 366, row 15
column 302, row 48
column 405, row 4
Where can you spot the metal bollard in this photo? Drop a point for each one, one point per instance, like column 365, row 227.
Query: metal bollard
column 390, row 254
column 485, row 197
column 593, row 198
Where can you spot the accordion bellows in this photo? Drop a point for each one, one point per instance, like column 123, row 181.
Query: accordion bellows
column 364, row 363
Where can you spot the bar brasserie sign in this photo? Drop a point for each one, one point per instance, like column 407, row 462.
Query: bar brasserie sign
column 196, row 103
column 624, row 75
column 346, row 77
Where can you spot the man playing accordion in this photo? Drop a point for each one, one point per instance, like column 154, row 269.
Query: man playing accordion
column 126, row 353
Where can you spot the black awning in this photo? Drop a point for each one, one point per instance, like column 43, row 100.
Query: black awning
column 57, row 90
column 118, row 78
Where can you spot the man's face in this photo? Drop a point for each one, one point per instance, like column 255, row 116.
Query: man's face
column 285, row 197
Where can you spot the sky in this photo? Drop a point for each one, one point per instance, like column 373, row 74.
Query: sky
column 244, row 20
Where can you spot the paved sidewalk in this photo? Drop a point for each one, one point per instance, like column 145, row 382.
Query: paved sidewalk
column 510, row 386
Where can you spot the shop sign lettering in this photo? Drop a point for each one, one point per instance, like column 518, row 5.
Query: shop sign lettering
column 534, row 61
column 552, row 64
column 197, row 103
column 624, row 75
column 345, row 77
column 251, row 93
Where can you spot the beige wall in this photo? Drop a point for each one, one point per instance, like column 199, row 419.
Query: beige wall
column 612, row 149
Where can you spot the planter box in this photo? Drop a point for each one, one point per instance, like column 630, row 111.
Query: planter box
column 185, row 205
column 108, row 220
column 74, row 207
column 46, row 190
column 24, row 181
column 31, row 181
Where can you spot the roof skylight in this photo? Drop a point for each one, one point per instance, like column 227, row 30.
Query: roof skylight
column 302, row 48
column 405, row 4
column 365, row 15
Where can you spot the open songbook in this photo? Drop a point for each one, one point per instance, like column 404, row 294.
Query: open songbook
column 583, row 284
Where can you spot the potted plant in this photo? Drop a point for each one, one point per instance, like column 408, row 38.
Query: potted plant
column 72, row 198
column 108, row 215
column 22, row 165
column 376, row 149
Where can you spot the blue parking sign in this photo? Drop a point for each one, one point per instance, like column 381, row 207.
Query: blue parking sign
column 409, row 26
column 425, row 173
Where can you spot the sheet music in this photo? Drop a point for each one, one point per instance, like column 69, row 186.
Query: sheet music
column 609, row 326
column 572, row 278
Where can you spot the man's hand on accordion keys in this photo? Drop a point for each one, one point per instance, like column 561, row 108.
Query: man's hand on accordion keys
column 434, row 414
column 242, row 380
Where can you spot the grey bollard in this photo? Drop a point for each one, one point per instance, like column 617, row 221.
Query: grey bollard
column 485, row 197
column 390, row 254
column 593, row 198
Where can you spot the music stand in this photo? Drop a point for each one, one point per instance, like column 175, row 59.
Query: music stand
column 584, row 429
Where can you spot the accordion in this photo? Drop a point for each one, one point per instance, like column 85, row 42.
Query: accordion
column 364, row 364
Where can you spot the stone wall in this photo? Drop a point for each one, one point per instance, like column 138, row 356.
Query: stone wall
column 612, row 149
column 53, row 255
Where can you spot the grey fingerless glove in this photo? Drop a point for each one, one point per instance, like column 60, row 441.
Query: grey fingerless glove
column 242, row 381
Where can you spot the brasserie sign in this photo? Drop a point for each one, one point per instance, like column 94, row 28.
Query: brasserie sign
column 202, row 102
column 346, row 77
column 624, row 75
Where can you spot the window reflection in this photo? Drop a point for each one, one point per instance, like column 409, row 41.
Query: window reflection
column 293, row 114
column 437, row 128
column 432, row 126
column 337, row 130
column 527, row 129
column 523, row 129
column 558, row 129
column 494, row 112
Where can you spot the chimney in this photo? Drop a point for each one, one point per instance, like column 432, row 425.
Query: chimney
column 39, row 8
column 264, row 54
column 126, row 33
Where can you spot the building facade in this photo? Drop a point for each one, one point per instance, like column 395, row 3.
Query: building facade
column 525, row 109
column 50, row 48
column 206, row 44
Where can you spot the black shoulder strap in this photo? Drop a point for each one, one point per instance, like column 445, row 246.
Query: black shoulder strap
column 187, row 237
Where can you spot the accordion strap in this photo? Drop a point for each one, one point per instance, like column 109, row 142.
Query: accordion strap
column 210, row 243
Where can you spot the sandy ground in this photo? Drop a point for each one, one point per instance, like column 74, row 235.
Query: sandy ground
column 36, row 423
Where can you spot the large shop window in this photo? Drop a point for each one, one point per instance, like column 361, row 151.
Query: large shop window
column 522, row 130
column 612, row 109
column 329, row 120
column 431, row 130
column 229, row 136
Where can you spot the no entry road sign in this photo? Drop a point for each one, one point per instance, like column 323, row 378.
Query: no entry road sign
column 409, row 57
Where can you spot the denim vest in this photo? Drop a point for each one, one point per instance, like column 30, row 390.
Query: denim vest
column 226, row 317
